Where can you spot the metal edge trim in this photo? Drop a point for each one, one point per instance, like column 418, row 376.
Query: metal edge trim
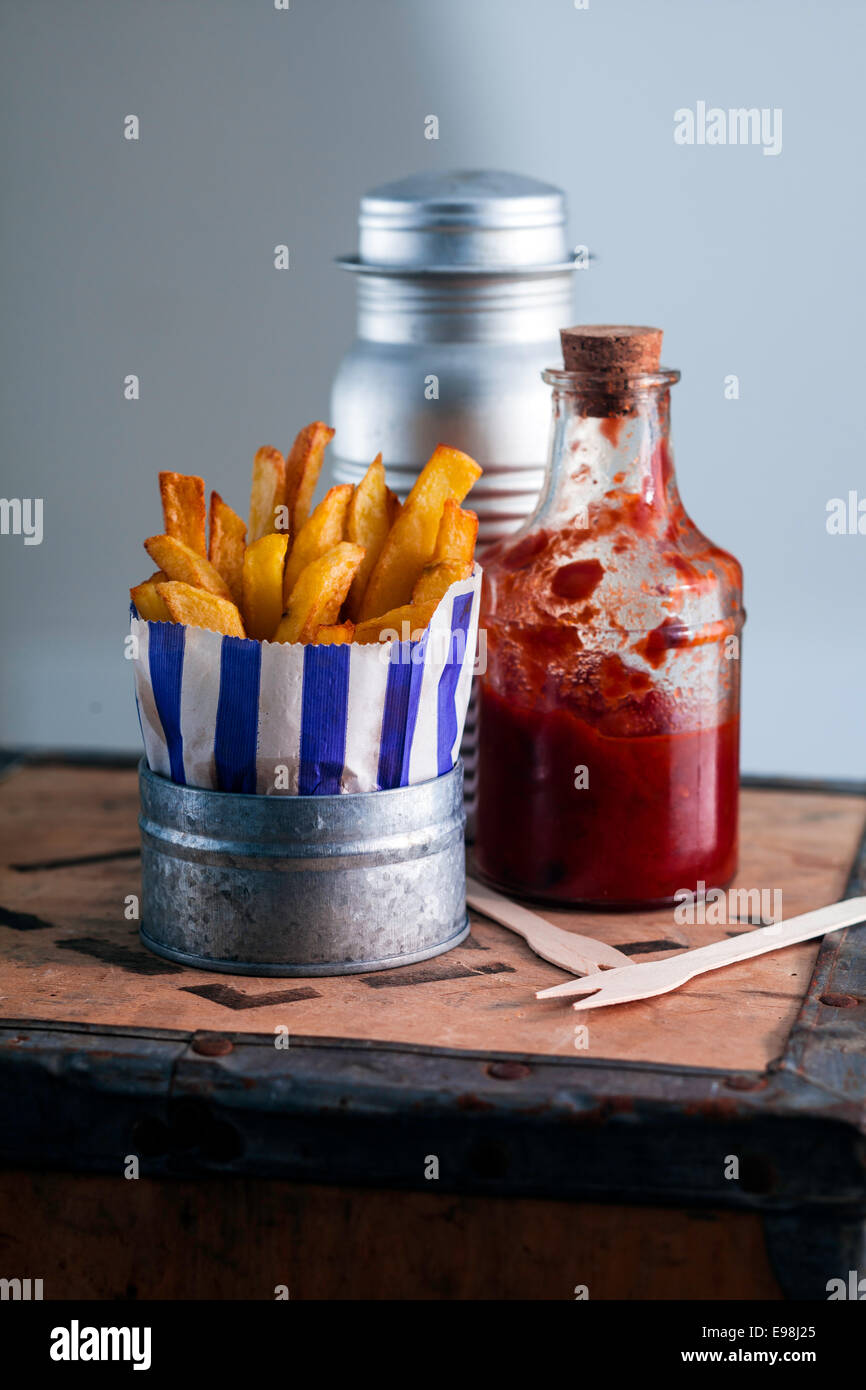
column 289, row 970
column 437, row 272
column 805, row 1047
column 287, row 857
column 146, row 774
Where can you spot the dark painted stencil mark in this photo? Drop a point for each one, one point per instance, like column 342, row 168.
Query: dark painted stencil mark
column 73, row 863
column 435, row 970
column 136, row 962
column 471, row 944
column 22, row 921
column 233, row 998
column 643, row 948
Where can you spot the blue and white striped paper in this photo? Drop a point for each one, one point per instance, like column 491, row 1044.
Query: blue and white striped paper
column 234, row 715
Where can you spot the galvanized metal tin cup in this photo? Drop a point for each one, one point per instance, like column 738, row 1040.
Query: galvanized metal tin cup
column 302, row 885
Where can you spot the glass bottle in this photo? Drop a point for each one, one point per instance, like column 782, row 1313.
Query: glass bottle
column 609, row 709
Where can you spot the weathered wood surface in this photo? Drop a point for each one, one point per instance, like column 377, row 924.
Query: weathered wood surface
column 67, row 952
column 100, row 1237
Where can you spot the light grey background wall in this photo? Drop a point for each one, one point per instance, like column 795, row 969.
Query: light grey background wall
column 261, row 126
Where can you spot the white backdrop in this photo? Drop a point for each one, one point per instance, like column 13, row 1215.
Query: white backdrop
column 261, row 126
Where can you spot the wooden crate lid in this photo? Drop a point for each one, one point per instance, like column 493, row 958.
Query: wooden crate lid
column 70, row 863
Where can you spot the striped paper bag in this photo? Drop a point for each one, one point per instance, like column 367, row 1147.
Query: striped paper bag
column 234, row 715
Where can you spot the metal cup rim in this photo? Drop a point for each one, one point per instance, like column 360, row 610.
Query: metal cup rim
column 146, row 773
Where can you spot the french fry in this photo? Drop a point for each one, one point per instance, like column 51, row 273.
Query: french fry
column 367, row 524
column 183, row 508
column 228, row 536
column 263, row 585
column 335, row 634
column 319, row 534
column 180, row 562
column 148, row 603
column 458, row 532
column 319, row 594
column 436, row 580
column 267, row 492
column 197, row 608
column 390, row 626
column 394, row 506
column 412, row 539
column 303, row 467
column 291, row 582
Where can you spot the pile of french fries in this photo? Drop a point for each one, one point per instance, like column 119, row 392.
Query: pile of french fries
column 358, row 568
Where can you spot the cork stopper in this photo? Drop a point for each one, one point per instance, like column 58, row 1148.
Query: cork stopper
column 618, row 350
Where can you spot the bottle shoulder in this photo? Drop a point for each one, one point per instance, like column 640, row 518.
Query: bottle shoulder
column 629, row 574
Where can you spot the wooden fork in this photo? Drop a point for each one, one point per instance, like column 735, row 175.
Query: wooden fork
column 657, row 977
column 579, row 955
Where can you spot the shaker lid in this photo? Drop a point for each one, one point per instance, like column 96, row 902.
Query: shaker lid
column 466, row 222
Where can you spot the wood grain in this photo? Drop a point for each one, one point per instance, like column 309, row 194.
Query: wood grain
column 100, row 1237
column 69, row 953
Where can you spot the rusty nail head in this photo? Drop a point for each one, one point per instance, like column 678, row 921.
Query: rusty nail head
column 508, row 1071
column 839, row 1001
column 746, row 1083
column 212, row 1045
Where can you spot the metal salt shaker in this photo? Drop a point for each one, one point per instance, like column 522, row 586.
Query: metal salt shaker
column 464, row 280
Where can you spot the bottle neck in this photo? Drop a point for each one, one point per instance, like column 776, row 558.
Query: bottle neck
column 610, row 453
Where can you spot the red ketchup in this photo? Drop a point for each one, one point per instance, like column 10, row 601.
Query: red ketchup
column 608, row 749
